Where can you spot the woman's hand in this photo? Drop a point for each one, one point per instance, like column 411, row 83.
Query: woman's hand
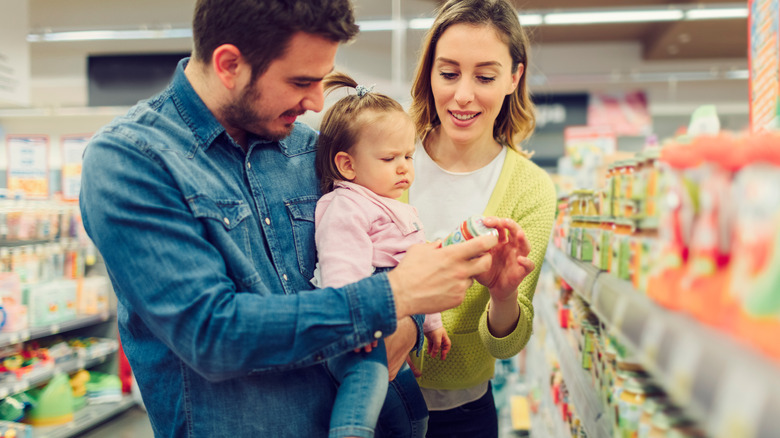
column 510, row 263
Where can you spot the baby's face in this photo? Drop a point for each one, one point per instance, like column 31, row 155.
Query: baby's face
column 382, row 156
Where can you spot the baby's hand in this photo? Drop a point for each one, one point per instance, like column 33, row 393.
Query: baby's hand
column 367, row 348
column 438, row 341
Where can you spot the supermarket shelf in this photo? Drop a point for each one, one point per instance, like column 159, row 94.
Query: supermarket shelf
column 726, row 386
column 580, row 275
column 11, row 338
column 42, row 375
column 546, row 423
column 85, row 419
column 582, row 393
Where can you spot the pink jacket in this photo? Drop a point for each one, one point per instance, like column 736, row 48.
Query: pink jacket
column 357, row 230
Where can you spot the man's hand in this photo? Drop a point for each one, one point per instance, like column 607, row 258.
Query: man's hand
column 399, row 344
column 430, row 278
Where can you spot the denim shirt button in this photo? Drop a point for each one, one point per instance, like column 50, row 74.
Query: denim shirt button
column 248, row 165
column 227, row 221
column 377, row 334
column 319, row 357
column 267, row 221
column 284, row 276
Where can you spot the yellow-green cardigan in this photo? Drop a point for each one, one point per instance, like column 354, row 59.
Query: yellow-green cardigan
column 525, row 193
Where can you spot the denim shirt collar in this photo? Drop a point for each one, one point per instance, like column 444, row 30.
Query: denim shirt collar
column 194, row 112
column 205, row 126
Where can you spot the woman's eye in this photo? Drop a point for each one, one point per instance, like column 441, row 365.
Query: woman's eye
column 486, row 79
column 387, row 159
column 448, row 75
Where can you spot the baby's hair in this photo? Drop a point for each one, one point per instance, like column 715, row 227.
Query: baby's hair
column 342, row 122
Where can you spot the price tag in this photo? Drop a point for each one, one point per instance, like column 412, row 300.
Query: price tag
column 683, row 367
column 55, row 329
column 650, row 342
column 739, row 402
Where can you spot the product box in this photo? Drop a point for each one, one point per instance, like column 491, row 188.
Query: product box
column 93, row 296
column 52, row 302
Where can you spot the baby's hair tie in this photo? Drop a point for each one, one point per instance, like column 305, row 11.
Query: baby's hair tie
column 363, row 90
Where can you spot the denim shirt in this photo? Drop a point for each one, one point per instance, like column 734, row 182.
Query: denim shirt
column 210, row 250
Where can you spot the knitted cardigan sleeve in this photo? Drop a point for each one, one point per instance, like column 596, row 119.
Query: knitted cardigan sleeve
column 529, row 199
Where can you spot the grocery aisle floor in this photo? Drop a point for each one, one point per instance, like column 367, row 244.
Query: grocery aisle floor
column 133, row 423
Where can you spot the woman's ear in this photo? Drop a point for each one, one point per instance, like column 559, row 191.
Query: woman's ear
column 516, row 78
column 344, row 165
column 229, row 65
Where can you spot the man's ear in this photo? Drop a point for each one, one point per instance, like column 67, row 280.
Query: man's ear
column 344, row 165
column 229, row 65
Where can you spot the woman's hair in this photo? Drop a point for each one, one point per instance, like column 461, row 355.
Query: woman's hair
column 262, row 29
column 342, row 122
column 516, row 120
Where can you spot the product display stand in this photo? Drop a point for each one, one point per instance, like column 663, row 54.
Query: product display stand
column 85, row 419
column 546, row 422
column 581, row 392
column 729, row 388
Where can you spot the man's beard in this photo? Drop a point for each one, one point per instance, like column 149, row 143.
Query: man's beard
column 241, row 114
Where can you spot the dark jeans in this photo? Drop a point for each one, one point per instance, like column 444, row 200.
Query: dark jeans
column 477, row 419
column 404, row 413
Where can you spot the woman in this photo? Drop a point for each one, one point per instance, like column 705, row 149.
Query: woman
column 471, row 108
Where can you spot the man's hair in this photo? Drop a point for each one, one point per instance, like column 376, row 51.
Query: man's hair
column 262, row 29
column 343, row 121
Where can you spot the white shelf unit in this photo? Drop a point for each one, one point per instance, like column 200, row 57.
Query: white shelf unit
column 728, row 387
column 43, row 375
column 581, row 392
column 85, row 419
column 546, row 423
column 10, row 338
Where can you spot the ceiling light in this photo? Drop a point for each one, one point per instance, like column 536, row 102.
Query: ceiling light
column 95, row 35
column 375, row 25
column 710, row 14
column 420, row 23
column 612, row 17
column 531, row 19
column 535, row 18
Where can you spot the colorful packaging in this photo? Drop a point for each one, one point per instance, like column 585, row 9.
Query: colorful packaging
column 468, row 229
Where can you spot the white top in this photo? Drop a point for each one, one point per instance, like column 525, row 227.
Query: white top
column 443, row 200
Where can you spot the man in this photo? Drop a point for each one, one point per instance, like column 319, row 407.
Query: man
column 201, row 201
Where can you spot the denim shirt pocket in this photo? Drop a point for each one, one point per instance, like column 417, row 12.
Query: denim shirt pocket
column 301, row 211
column 230, row 233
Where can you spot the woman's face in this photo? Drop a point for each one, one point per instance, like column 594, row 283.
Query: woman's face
column 471, row 75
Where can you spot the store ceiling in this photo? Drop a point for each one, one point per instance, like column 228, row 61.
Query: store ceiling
column 725, row 38
column 678, row 40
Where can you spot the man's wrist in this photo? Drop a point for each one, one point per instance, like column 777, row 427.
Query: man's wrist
column 396, row 286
